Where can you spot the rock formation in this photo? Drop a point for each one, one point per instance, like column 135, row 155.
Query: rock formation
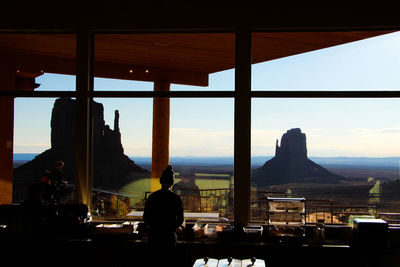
column 291, row 164
column 111, row 168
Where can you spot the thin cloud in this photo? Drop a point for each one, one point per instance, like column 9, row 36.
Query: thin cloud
column 265, row 137
column 32, row 145
column 201, row 142
column 143, row 150
column 392, row 130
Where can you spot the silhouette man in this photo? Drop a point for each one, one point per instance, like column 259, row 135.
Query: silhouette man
column 163, row 215
column 56, row 173
column 56, row 182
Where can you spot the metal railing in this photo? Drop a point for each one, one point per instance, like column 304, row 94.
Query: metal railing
column 392, row 218
column 258, row 204
column 111, row 203
column 207, row 200
column 326, row 210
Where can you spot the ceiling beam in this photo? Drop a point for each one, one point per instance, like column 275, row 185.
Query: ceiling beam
column 30, row 63
column 158, row 16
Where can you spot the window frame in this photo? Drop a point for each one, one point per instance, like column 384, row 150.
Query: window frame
column 242, row 96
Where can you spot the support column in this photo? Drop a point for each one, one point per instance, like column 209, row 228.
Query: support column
column 160, row 147
column 7, row 81
column 242, row 139
column 11, row 79
column 84, row 118
column 6, row 149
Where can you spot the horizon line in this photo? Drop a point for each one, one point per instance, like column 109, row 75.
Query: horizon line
column 212, row 156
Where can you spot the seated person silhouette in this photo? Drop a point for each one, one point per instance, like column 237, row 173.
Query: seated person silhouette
column 34, row 200
column 57, row 183
column 163, row 215
column 34, row 211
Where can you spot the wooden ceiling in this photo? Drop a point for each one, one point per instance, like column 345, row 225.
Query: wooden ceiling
column 180, row 58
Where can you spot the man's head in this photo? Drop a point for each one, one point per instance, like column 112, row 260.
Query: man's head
column 167, row 177
column 60, row 164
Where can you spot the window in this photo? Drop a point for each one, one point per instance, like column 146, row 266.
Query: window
column 121, row 155
column 43, row 135
column 201, row 151
column 200, row 128
column 127, row 65
column 339, row 153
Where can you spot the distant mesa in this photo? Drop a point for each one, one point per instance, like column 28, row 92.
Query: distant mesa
column 291, row 164
column 112, row 168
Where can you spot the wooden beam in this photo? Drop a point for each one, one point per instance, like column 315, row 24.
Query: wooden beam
column 84, row 119
column 6, row 149
column 210, row 94
column 196, row 16
column 141, row 73
column 161, row 129
column 31, row 63
column 326, row 94
column 242, row 137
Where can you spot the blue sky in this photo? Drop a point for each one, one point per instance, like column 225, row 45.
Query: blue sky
column 204, row 127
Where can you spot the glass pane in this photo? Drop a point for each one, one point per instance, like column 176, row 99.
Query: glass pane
column 188, row 61
column 122, row 156
column 43, row 136
column 40, row 62
column 315, row 61
column 201, row 149
column 59, row 82
column 341, row 155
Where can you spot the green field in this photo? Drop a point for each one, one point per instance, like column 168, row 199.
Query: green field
column 144, row 185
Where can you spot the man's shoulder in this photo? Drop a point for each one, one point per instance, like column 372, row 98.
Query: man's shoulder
column 161, row 192
column 176, row 197
column 171, row 195
column 154, row 194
